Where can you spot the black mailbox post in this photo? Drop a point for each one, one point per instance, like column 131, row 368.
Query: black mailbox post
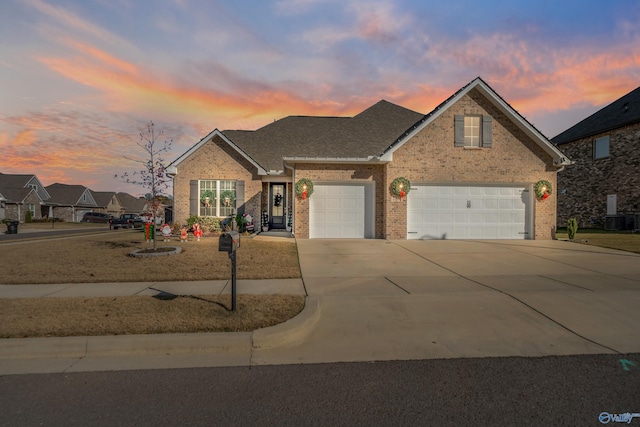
column 230, row 242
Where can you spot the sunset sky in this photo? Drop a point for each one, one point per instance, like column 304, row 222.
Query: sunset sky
column 80, row 78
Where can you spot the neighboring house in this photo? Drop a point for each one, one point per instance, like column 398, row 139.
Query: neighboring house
column 21, row 193
column 472, row 164
column 107, row 202
column 70, row 202
column 130, row 204
column 602, row 188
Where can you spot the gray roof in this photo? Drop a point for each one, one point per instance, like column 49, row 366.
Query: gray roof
column 16, row 195
column 622, row 112
column 15, row 187
column 102, row 198
column 366, row 134
column 69, row 195
column 129, row 203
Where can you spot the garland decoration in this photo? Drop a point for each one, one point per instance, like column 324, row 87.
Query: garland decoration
column 304, row 188
column 400, row 187
column 227, row 198
column 543, row 189
column 207, row 198
column 277, row 200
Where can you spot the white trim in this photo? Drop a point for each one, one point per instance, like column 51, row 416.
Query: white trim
column 559, row 158
column 173, row 167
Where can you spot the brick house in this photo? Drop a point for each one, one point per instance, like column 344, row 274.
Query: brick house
column 70, row 202
column 19, row 194
column 602, row 188
column 472, row 164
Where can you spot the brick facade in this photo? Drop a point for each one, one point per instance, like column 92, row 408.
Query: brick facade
column 216, row 160
column 18, row 211
column 584, row 186
column 430, row 157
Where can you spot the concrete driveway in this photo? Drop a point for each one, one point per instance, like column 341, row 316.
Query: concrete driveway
column 387, row 300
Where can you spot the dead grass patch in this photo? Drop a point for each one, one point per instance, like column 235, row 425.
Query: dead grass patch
column 104, row 258
column 49, row 317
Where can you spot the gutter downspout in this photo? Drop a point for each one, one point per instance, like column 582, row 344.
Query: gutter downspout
column 293, row 196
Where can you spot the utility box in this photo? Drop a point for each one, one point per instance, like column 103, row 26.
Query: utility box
column 229, row 242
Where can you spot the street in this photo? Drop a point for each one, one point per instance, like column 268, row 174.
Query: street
column 569, row 390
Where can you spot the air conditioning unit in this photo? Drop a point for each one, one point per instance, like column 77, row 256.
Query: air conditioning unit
column 614, row 222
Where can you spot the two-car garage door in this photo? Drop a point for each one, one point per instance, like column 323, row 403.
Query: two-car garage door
column 468, row 212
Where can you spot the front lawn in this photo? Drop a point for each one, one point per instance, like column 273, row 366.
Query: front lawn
column 104, row 258
column 622, row 240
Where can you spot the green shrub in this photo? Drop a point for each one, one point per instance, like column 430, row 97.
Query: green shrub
column 572, row 228
column 207, row 223
column 28, row 217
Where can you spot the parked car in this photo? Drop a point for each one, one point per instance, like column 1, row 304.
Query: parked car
column 96, row 217
column 126, row 221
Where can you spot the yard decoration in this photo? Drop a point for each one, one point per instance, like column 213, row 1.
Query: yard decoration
column 304, row 188
column 400, row 187
column 543, row 189
column 228, row 198
column 197, row 231
column 166, row 232
column 207, row 197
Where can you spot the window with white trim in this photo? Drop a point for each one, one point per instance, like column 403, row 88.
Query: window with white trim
column 211, row 194
column 472, row 131
column 601, row 147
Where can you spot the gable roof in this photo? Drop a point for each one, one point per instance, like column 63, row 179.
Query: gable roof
column 373, row 134
column 70, row 195
column 102, row 198
column 129, row 203
column 480, row 85
column 17, row 195
column 619, row 113
column 21, row 181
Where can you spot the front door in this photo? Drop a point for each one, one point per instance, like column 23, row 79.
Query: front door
column 277, row 205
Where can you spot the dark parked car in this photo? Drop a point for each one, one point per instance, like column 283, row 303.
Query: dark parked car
column 96, row 217
column 126, row 221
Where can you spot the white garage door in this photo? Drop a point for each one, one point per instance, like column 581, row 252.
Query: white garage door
column 467, row 212
column 341, row 211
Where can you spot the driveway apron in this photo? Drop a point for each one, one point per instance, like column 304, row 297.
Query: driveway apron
column 390, row 300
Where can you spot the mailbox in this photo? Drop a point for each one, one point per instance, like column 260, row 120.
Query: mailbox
column 229, row 242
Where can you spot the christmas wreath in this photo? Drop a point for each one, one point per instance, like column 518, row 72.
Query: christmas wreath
column 207, row 198
column 543, row 189
column 228, row 195
column 400, row 187
column 304, row 188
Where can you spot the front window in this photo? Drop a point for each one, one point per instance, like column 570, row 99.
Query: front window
column 472, row 131
column 32, row 209
column 601, row 148
column 217, row 198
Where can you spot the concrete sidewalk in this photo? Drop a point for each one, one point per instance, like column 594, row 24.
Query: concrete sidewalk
column 387, row 300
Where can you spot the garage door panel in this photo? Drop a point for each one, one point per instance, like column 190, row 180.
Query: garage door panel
column 340, row 211
column 467, row 212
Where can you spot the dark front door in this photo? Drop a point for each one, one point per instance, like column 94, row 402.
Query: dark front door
column 277, row 206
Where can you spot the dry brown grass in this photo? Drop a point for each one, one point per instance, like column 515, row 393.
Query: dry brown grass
column 142, row 315
column 104, row 258
column 624, row 241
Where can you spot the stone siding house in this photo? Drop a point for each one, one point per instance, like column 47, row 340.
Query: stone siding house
column 20, row 194
column 466, row 170
column 602, row 187
column 107, row 202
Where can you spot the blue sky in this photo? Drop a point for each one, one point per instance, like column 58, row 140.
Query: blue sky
column 79, row 79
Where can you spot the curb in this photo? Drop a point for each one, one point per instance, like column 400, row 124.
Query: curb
column 291, row 331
